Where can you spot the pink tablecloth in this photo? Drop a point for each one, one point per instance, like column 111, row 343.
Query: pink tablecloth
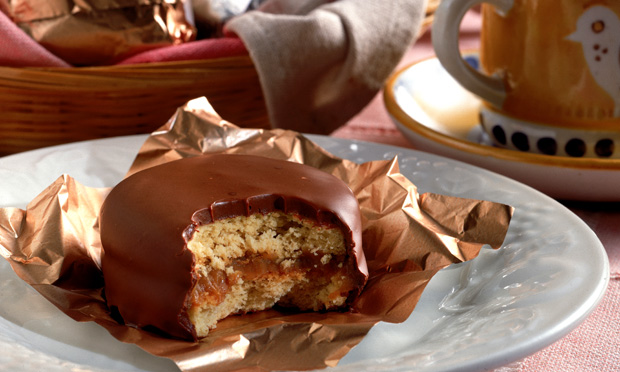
column 595, row 344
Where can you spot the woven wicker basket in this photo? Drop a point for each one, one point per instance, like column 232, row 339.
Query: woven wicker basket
column 48, row 106
column 42, row 107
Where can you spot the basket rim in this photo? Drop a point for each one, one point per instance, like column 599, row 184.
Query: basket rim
column 192, row 63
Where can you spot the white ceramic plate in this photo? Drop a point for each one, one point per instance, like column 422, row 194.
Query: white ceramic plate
column 437, row 115
column 498, row 308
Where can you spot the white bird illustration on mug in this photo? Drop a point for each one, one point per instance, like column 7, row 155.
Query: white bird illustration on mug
column 598, row 31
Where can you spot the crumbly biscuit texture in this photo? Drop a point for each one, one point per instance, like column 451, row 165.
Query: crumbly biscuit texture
column 252, row 263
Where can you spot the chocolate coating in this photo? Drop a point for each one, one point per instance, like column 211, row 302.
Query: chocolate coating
column 147, row 219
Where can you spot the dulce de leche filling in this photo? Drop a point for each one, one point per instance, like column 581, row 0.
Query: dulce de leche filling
column 252, row 263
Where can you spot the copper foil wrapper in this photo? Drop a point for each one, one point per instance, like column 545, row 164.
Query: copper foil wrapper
column 54, row 245
column 101, row 32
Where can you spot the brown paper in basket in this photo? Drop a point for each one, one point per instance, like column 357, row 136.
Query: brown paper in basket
column 54, row 246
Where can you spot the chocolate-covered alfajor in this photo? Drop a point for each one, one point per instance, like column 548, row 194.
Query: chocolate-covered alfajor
column 192, row 241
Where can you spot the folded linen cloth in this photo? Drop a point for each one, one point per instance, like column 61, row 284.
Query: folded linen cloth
column 319, row 61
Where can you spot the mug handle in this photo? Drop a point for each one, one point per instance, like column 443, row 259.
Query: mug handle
column 445, row 38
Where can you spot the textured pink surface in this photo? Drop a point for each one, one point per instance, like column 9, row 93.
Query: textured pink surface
column 18, row 49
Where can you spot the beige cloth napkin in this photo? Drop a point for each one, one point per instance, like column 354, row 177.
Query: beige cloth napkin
column 320, row 62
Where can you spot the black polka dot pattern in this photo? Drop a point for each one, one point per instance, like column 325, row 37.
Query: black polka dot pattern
column 604, row 148
column 547, row 146
column 575, row 147
column 520, row 141
column 499, row 134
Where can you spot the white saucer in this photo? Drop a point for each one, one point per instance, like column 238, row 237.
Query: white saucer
column 437, row 115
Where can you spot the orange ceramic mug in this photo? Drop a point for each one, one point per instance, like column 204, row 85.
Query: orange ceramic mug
column 550, row 72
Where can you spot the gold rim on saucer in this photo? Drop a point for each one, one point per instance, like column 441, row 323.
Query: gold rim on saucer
column 480, row 149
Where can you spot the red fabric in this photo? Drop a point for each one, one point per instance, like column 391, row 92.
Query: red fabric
column 195, row 50
column 18, row 50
